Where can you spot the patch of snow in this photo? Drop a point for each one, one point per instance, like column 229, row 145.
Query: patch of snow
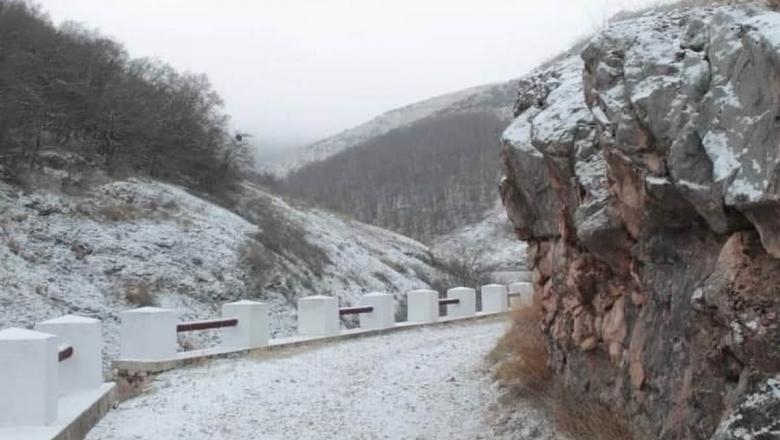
column 424, row 384
column 493, row 240
column 724, row 163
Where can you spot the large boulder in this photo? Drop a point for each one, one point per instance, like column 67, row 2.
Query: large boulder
column 644, row 176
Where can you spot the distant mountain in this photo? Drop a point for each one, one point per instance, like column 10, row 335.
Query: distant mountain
column 422, row 170
column 496, row 98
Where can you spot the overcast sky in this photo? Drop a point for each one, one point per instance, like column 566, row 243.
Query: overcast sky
column 293, row 71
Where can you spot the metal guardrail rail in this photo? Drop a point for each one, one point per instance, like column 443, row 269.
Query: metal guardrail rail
column 355, row 310
column 208, row 324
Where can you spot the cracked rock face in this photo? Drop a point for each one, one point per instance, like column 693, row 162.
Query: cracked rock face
column 644, row 176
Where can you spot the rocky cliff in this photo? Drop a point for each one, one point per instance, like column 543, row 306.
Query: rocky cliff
column 644, row 176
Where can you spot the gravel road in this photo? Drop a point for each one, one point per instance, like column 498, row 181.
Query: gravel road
column 427, row 384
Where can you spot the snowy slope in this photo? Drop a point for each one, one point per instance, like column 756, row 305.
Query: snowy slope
column 497, row 98
column 91, row 254
column 491, row 240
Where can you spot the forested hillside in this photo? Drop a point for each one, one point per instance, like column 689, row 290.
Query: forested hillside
column 427, row 178
column 66, row 88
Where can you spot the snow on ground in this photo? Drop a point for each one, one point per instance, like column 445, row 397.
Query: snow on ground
column 429, row 383
column 91, row 253
column 492, row 241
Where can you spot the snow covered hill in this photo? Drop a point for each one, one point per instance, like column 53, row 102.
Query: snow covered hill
column 129, row 243
column 491, row 243
column 497, row 98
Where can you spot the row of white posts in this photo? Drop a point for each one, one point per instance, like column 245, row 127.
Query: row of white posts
column 64, row 354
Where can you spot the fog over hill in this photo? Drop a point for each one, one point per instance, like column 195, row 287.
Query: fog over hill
column 422, row 170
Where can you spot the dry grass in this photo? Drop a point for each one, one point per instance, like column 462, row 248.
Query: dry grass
column 521, row 365
column 521, row 354
column 140, row 294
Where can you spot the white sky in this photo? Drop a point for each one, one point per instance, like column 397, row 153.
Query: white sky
column 293, row 71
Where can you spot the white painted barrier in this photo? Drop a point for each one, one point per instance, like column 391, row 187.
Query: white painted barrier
column 494, row 298
column 28, row 378
column 422, row 305
column 523, row 291
column 252, row 328
column 318, row 315
column 383, row 315
column 467, row 302
column 84, row 369
column 148, row 333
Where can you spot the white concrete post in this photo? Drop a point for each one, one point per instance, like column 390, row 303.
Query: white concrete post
column 83, row 370
column 494, row 298
column 318, row 315
column 252, row 328
column 28, row 378
column 422, row 305
column 467, row 305
column 523, row 291
column 383, row 315
column 148, row 333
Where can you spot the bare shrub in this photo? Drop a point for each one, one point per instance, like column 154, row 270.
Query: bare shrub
column 398, row 267
column 118, row 212
column 462, row 268
column 141, row 294
column 284, row 237
column 581, row 418
column 382, row 277
column 258, row 263
column 520, row 362
column 521, row 354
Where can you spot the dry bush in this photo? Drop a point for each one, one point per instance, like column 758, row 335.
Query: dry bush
column 774, row 4
column 580, row 418
column 118, row 212
column 521, row 365
column 14, row 246
column 286, row 238
column 258, row 262
column 140, row 294
column 521, row 354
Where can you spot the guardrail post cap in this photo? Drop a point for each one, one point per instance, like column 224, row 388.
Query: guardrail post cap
column 147, row 310
column 29, row 382
column 494, row 298
column 383, row 313
column 422, row 305
column 467, row 302
column 148, row 333
column 252, row 328
column 84, row 370
column 318, row 315
column 245, row 302
column 22, row 334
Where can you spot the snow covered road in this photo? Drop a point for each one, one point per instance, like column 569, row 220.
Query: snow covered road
column 422, row 384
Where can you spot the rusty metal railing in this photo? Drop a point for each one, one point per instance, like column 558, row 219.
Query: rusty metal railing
column 66, row 352
column 208, row 324
column 355, row 310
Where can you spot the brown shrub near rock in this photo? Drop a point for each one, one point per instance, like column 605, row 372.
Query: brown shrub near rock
column 520, row 362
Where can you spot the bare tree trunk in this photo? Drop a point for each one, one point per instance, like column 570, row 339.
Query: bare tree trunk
column 37, row 148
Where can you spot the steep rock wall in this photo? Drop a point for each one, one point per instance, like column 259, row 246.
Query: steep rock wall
column 644, row 176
